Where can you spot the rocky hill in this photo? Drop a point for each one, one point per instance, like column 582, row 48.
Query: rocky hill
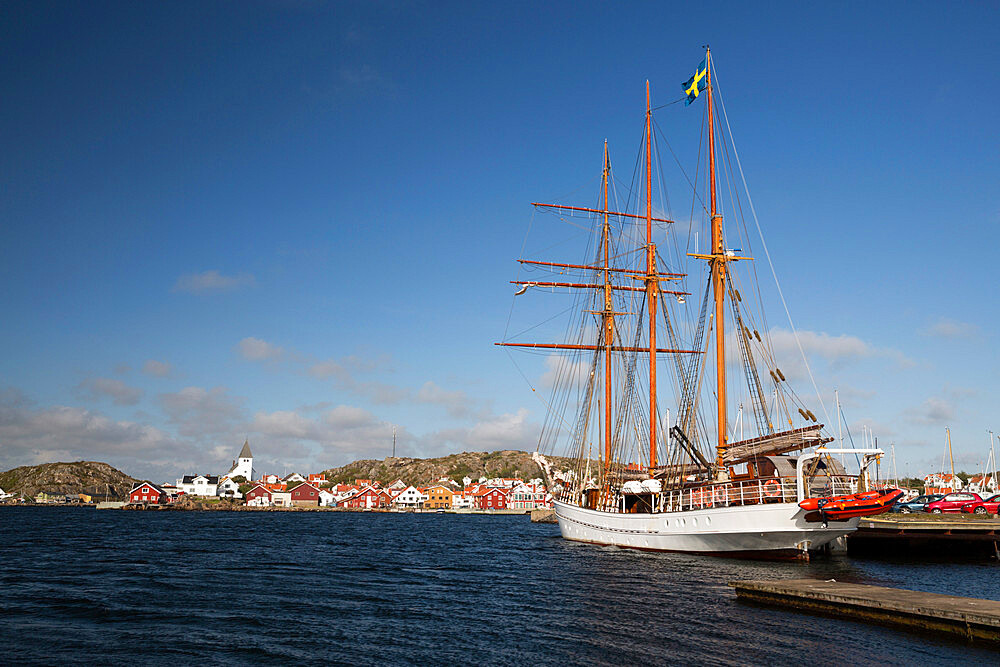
column 419, row 472
column 90, row 477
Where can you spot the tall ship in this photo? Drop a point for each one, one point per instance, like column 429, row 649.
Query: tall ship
column 680, row 430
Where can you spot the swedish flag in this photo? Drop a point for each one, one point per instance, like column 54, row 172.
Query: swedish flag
column 696, row 84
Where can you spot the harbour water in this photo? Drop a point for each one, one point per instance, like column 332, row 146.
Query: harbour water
column 87, row 587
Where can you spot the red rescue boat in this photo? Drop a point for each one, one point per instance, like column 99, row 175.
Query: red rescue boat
column 838, row 508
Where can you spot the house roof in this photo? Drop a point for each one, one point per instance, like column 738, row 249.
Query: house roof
column 189, row 479
column 245, row 452
column 159, row 489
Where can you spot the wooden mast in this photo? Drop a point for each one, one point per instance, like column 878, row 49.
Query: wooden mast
column 652, row 284
column 718, row 279
column 608, row 321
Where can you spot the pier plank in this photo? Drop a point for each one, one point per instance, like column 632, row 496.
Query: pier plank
column 967, row 618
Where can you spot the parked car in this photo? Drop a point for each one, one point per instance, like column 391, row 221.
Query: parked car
column 988, row 506
column 952, row 503
column 917, row 504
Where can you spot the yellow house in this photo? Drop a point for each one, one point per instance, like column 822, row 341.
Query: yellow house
column 438, row 497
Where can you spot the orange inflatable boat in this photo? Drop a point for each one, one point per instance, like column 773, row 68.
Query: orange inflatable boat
column 838, row 508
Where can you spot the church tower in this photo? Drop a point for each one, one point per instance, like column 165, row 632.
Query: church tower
column 243, row 465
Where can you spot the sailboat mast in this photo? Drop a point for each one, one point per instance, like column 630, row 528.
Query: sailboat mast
column 652, row 284
column 951, row 455
column 608, row 321
column 718, row 277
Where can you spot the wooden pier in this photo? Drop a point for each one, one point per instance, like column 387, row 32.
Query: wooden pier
column 969, row 619
column 949, row 537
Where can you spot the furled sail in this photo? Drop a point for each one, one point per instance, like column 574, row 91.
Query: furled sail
column 774, row 443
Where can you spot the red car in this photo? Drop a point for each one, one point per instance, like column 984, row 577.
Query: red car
column 952, row 502
column 988, row 506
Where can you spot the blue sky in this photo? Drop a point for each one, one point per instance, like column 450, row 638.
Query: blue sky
column 296, row 221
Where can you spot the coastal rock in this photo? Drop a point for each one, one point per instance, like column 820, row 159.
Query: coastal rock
column 90, row 477
column 420, row 472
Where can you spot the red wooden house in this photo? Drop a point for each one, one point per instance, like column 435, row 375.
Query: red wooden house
column 259, row 495
column 367, row 498
column 148, row 494
column 490, row 499
column 305, row 495
column 317, row 478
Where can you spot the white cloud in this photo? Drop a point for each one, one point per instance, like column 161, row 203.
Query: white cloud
column 212, row 281
column 561, row 370
column 116, row 390
column 457, row 403
column 160, row 369
column 30, row 436
column 256, row 349
column 946, row 328
column 505, row 431
column 935, row 410
column 199, row 412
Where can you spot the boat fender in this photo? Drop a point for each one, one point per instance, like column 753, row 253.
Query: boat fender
column 780, row 374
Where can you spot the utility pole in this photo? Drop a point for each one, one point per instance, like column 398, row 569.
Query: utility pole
column 393, row 442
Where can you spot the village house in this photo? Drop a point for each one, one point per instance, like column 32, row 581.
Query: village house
column 293, row 477
column 490, row 499
column 438, row 497
column 317, row 478
column 259, row 496
column 270, row 479
column 147, row 493
column 940, row 482
column 281, row 498
column 305, row 495
column 409, row 497
column 398, row 485
column 982, row 484
column 229, row 488
column 527, row 497
column 199, row 485
column 326, row 498
column 367, row 498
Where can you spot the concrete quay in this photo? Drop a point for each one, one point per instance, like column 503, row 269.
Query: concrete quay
column 926, row 536
column 969, row 619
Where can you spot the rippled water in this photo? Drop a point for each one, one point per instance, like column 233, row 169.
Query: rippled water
column 81, row 586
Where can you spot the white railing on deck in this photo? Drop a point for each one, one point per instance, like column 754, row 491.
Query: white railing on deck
column 736, row 494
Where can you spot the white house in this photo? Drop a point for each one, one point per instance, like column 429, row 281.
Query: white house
column 326, row 498
column 940, row 482
column 282, row 498
column 408, row 497
column 461, row 501
column 982, row 484
column 398, row 485
column 199, row 485
column 526, row 497
column 229, row 488
column 294, row 477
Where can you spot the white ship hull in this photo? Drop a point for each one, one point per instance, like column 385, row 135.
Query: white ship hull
column 776, row 530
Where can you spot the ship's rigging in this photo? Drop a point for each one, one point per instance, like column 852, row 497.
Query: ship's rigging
column 624, row 297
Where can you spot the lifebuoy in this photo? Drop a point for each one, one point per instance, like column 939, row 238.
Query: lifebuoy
column 701, row 497
column 722, row 494
column 772, row 488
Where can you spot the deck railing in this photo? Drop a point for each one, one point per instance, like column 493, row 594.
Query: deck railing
column 752, row 492
column 734, row 494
